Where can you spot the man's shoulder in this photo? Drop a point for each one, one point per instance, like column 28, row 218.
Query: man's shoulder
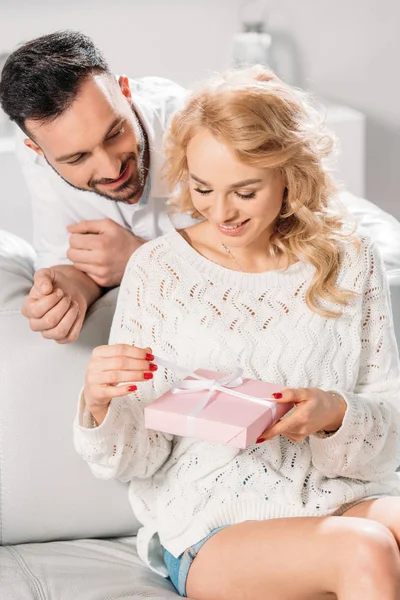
column 158, row 95
column 153, row 87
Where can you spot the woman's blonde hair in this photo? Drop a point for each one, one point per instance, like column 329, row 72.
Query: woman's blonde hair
column 267, row 124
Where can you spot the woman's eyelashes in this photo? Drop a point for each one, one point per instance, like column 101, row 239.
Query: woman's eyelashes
column 202, row 192
column 248, row 196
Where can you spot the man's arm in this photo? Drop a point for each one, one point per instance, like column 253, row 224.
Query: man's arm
column 60, row 295
column 52, row 209
column 58, row 308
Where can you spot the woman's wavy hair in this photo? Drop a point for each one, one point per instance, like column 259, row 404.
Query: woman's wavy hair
column 268, row 124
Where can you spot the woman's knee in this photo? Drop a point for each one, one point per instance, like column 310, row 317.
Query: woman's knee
column 383, row 510
column 371, row 549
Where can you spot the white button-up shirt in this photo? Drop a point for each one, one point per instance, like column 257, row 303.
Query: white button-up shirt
column 56, row 204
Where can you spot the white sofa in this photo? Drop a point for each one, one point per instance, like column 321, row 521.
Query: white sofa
column 65, row 535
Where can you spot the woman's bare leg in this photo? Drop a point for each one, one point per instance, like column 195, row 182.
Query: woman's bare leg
column 383, row 510
column 298, row 559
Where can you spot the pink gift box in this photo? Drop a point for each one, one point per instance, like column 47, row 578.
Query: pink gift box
column 225, row 418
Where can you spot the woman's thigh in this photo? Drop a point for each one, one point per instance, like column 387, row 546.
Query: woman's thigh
column 383, row 510
column 293, row 559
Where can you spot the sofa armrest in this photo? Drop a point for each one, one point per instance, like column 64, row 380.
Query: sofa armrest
column 46, row 491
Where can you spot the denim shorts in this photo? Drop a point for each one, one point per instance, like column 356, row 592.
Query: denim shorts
column 178, row 568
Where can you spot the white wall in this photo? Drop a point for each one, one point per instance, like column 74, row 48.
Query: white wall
column 180, row 39
column 345, row 49
column 350, row 50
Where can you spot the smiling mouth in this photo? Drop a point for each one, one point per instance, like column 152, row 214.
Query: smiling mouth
column 233, row 226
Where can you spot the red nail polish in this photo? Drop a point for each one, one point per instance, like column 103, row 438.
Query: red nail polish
column 260, row 440
column 153, row 367
column 149, row 356
column 132, row 388
column 148, row 376
column 277, row 395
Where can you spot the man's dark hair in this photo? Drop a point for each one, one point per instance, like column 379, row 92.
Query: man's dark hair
column 42, row 78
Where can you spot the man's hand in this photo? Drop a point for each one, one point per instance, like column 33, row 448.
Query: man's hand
column 101, row 249
column 55, row 305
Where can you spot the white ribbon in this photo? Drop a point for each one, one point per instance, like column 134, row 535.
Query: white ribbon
column 199, row 384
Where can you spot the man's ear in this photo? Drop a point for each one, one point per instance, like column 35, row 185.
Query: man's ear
column 125, row 88
column 33, row 146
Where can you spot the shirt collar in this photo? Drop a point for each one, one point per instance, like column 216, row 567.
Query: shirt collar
column 155, row 131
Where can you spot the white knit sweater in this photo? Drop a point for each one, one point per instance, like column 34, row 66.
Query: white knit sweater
column 201, row 315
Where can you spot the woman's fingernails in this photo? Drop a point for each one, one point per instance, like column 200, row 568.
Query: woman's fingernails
column 260, row 440
column 148, row 376
column 149, row 356
column 132, row 388
column 277, row 395
column 153, row 367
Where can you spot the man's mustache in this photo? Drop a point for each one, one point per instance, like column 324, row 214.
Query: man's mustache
column 95, row 182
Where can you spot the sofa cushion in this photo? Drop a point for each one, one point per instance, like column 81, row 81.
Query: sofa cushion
column 14, row 247
column 83, row 570
column 16, row 270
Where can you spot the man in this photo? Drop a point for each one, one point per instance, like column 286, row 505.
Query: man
column 91, row 152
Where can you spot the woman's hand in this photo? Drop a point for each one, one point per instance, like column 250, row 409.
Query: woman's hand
column 315, row 410
column 110, row 373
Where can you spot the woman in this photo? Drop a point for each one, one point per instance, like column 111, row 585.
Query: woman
column 269, row 280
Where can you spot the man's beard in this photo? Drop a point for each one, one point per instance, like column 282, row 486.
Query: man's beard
column 130, row 188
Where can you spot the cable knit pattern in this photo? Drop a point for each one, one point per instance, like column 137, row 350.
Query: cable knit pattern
column 202, row 315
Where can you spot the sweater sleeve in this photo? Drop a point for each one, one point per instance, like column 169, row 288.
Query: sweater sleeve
column 367, row 445
column 121, row 448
